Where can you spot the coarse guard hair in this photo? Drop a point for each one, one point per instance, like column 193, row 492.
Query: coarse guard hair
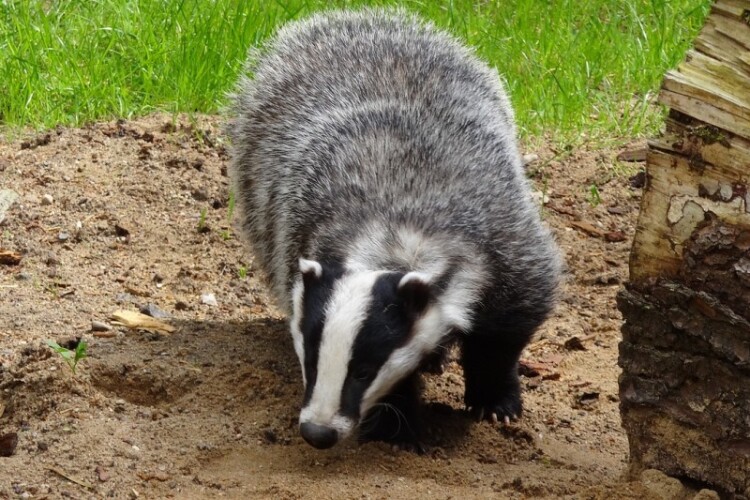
column 378, row 181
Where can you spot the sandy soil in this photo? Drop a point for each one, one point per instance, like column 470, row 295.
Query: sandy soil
column 109, row 218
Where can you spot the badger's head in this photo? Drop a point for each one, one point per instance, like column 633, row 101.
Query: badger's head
column 357, row 334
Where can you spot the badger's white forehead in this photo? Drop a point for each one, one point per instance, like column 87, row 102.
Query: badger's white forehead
column 345, row 313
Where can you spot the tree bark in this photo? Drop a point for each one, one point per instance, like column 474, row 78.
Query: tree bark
column 685, row 354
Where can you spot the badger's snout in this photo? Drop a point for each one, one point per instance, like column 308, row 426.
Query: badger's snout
column 319, row 436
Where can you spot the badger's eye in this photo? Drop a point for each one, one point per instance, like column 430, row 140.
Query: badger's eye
column 363, row 373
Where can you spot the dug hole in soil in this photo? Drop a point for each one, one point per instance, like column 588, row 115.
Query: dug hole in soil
column 132, row 214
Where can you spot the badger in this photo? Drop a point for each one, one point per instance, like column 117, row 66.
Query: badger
column 379, row 184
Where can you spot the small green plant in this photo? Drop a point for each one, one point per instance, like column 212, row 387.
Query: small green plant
column 202, row 226
column 227, row 234
column 230, row 206
column 242, row 272
column 70, row 356
column 53, row 290
column 594, row 198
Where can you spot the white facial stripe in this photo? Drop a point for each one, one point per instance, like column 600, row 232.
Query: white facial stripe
column 345, row 314
column 299, row 346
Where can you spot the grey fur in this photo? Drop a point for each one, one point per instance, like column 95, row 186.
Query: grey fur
column 357, row 124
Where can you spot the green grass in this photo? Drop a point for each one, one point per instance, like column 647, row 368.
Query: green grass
column 575, row 68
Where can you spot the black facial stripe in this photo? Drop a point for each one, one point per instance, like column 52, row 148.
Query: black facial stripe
column 315, row 297
column 386, row 328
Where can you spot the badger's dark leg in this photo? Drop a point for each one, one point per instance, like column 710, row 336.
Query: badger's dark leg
column 395, row 419
column 490, row 362
column 436, row 362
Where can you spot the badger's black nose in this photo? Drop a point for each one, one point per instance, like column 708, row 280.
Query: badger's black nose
column 319, row 436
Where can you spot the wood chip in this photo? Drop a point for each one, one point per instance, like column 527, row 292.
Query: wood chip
column 136, row 320
column 529, row 368
column 560, row 209
column 588, row 228
column 615, row 236
column 633, row 155
column 9, row 258
column 137, row 292
column 70, row 477
column 618, row 210
column 104, row 335
column 532, row 369
column 580, row 383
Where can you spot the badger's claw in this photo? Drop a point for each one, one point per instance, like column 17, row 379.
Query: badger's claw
column 506, row 419
column 507, row 410
column 480, row 414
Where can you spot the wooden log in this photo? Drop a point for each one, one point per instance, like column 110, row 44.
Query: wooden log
column 685, row 353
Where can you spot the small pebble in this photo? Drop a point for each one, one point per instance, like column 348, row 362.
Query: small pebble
column 209, row 299
column 153, row 311
column 540, row 197
column 530, row 158
column 63, row 236
column 199, row 195
column 121, row 298
column 47, row 199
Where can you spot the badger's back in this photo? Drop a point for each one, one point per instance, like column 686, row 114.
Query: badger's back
column 358, row 128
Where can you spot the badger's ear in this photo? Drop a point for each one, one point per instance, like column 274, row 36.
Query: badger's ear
column 310, row 269
column 415, row 292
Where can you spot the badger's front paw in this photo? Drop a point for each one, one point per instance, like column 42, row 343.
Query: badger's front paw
column 504, row 411
column 393, row 426
column 494, row 403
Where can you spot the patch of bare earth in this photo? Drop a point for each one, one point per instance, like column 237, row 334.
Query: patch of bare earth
column 108, row 217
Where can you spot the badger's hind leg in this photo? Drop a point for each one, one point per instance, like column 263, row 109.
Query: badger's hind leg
column 395, row 418
column 490, row 363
